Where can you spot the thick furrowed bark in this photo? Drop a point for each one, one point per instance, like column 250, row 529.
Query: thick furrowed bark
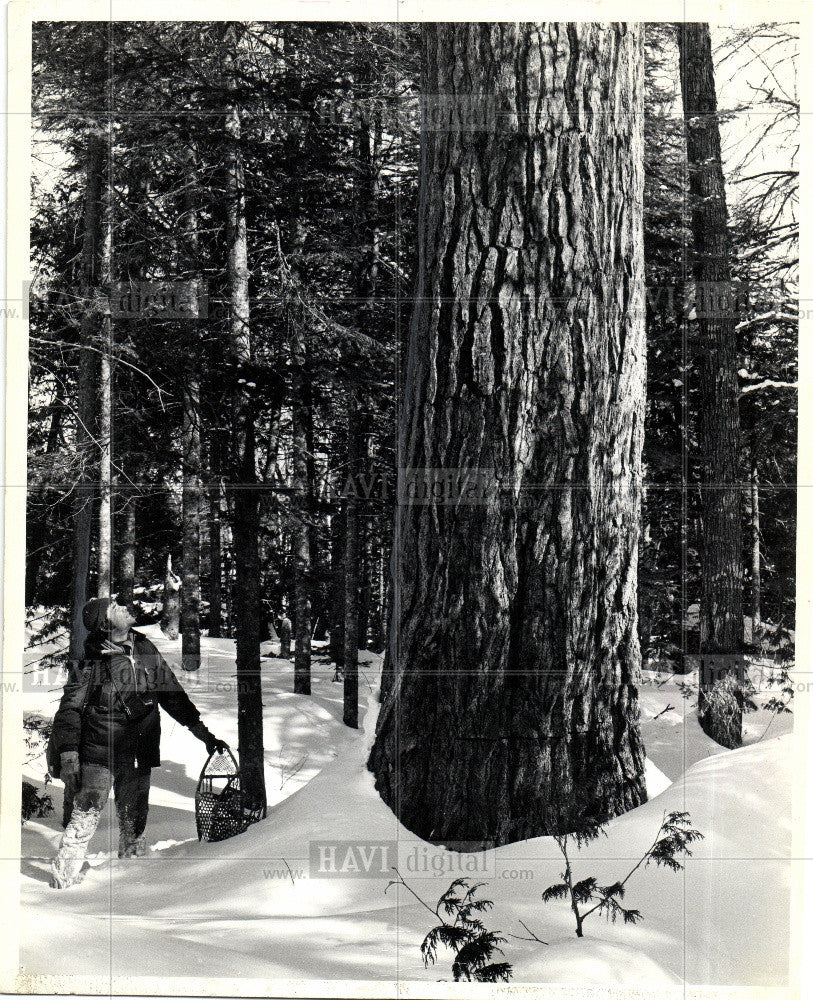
column 513, row 709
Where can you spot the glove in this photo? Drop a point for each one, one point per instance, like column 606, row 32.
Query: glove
column 69, row 765
column 212, row 742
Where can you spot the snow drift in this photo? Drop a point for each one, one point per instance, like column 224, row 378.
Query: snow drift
column 287, row 914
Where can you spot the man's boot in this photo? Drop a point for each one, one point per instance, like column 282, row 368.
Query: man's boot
column 67, row 864
column 131, row 846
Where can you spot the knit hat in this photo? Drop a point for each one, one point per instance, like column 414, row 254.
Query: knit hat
column 94, row 614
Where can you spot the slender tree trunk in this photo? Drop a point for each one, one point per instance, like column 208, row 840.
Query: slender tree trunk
column 126, row 568
column 385, row 580
column 365, row 535
column 644, row 591
column 387, row 672
column 104, row 552
column 127, row 489
column 215, row 540
column 229, row 572
column 37, row 546
column 191, row 513
column 337, row 546
column 171, row 604
column 285, row 637
column 756, row 564
column 365, row 574
column 57, row 417
column 271, row 557
column 301, row 532
column 351, row 569
column 272, row 451
column 127, row 384
column 245, row 524
column 302, row 441
column 85, row 409
column 314, row 592
column 381, row 606
column 513, row 710
column 355, row 625
column 191, row 463
column 721, row 621
column 780, row 597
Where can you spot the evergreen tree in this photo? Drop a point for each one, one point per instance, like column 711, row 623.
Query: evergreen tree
column 721, row 621
column 516, row 621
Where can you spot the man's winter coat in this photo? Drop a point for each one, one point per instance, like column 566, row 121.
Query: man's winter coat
column 109, row 709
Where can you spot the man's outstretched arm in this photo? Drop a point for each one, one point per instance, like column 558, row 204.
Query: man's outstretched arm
column 175, row 701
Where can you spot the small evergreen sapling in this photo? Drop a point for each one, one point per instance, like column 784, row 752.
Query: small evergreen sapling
column 587, row 896
column 36, row 731
column 33, row 804
column 780, row 705
column 465, row 935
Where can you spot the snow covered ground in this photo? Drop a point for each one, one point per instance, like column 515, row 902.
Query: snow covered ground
column 258, row 905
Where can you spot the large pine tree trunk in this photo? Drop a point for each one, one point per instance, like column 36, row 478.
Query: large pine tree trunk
column 191, row 464
column 245, row 524
column 721, row 622
column 85, row 395
column 513, row 710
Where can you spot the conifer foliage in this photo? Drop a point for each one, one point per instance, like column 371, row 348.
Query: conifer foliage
column 461, row 930
column 586, row 896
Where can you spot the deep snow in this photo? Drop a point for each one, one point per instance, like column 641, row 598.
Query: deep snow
column 252, row 907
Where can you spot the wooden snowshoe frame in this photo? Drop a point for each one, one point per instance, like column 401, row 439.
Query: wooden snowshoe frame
column 220, row 812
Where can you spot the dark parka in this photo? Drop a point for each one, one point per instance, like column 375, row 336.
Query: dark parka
column 109, row 708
